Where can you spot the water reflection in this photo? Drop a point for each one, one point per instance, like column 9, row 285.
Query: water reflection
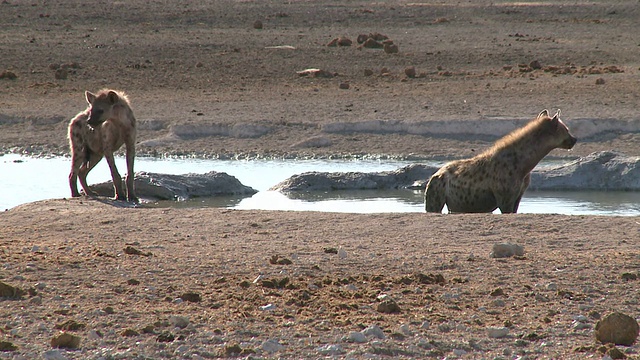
column 30, row 179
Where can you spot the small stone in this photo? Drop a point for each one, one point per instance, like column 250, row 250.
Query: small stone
column 344, row 86
column 272, row 346
column 357, row 337
column 362, row 38
column 65, row 340
column 267, row 307
column 9, row 75
column 7, row 346
column 410, row 72
column 344, row 41
column 129, row 333
column 61, row 74
column 617, row 328
column 375, row 331
column 179, row 321
column 506, row 250
column 599, row 81
column 497, row 332
column 535, row 65
column 165, row 337
column 368, row 72
column 257, row 24
column 342, row 254
column 53, row 355
column 372, row 44
column 191, row 297
column 387, row 305
column 8, row 291
column 390, row 48
column 330, row 349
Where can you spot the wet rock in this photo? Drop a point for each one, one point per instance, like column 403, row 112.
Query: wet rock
column 65, row 340
column 617, row 328
column 11, row 292
column 323, row 181
column 506, row 250
column 156, row 186
column 604, row 170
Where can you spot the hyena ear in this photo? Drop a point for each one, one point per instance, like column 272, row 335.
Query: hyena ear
column 112, row 97
column 544, row 112
column 557, row 113
column 90, row 97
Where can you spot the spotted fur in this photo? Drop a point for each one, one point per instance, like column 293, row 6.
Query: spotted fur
column 498, row 177
column 100, row 130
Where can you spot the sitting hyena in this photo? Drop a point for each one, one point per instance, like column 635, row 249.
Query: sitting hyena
column 498, row 177
column 100, row 130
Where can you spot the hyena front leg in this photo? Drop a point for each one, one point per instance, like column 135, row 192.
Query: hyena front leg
column 131, row 155
column 115, row 176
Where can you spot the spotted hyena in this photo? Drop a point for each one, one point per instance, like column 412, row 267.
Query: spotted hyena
column 98, row 131
column 498, row 177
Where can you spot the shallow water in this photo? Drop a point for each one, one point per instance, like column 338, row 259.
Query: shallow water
column 26, row 179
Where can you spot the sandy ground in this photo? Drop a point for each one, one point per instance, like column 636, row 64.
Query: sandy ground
column 206, row 68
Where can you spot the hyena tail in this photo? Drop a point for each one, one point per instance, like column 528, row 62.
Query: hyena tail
column 434, row 195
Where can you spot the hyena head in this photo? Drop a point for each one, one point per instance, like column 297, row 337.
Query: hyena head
column 100, row 106
column 559, row 131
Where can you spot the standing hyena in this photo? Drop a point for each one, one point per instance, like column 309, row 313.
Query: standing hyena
column 98, row 131
column 498, row 177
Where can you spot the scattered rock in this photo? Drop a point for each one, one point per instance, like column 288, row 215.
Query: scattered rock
column 330, row 350
column 629, row 276
column 129, row 333
column 497, row 332
column 277, row 260
column 372, row 44
column 340, row 41
column 70, row 325
column 410, row 72
column 179, row 321
column 506, row 250
column 317, row 73
column 535, row 65
column 374, row 331
column 191, row 297
column 130, row 250
column 65, row 340
column 387, row 305
column 368, row 72
column 61, row 74
column 257, row 24
column 12, row 292
column 272, row 346
column 617, row 328
column 357, row 337
column 165, row 336
column 7, row 346
column 600, row 81
column 9, row 75
column 390, row 48
column 344, row 86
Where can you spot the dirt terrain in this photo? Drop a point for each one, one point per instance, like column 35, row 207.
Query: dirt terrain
column 206, row 79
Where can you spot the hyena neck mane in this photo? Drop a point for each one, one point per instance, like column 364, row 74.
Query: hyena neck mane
column 525, row 147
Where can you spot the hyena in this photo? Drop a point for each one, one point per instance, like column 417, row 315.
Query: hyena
column 98, row 131
column 498, row 177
